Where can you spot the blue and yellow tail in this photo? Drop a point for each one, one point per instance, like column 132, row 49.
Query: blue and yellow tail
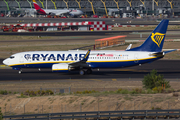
column 155, row 41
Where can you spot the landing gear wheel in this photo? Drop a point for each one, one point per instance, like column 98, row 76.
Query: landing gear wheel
column 20, row 71
column 81, row 72
column 89, row 71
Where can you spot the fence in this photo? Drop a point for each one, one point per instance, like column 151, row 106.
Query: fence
column 132, row 114
column 108, row 42
column 27, row 107
column 57, row 90
column 23, row 90
column 76, row 103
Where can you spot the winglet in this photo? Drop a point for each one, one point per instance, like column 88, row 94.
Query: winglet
column 129, row 47
column 86, row 56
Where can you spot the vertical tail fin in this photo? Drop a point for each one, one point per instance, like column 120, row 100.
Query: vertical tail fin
column 38, row 8
column 155, row 41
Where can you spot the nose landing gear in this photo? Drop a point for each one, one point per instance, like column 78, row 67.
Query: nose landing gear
column 20, row 71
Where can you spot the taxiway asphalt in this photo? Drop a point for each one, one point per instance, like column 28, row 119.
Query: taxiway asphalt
column 109, row 21
column 170, row 69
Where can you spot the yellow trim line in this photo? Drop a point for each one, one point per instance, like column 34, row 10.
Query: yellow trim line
column 60, row 69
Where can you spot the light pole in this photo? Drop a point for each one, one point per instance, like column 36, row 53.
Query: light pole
column 153, row 7
column 46, row 4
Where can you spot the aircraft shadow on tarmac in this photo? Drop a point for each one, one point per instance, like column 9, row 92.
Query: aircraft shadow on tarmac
column 30, row 75
column 99, row 74
column 170, row 69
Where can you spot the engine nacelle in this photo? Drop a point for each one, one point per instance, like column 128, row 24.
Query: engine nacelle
column 52, row 14
column 61, row 67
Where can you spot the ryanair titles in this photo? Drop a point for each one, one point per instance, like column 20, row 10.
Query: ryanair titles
column 54, row 57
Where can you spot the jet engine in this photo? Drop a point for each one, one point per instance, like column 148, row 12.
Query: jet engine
column 61, row 67
column 52, row 14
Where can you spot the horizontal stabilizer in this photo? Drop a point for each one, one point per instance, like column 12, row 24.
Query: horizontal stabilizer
column 158, row 54
column 165, row 52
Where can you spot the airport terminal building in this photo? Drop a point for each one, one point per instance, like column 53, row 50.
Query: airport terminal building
column 87, row 4
column 99, row 6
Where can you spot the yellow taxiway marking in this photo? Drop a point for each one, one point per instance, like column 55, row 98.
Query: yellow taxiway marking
column 132, row 70
column 95, row 79
column 3, row 66
column 74, row 79
column 114, row 80
column 125, row 70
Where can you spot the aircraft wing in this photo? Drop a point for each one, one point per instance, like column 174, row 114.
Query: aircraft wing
column 60, row 12
column 63, row 12
column 81, row 63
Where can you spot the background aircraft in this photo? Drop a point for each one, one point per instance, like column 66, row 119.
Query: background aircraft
column 58, row 12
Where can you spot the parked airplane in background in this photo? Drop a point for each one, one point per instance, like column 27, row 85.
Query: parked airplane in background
column 65, row 61
column 57, row 12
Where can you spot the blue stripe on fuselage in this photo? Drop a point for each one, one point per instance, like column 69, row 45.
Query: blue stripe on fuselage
column 92, row 64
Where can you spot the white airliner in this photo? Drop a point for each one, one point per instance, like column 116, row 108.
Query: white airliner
column 65, row 61
column 57, row 12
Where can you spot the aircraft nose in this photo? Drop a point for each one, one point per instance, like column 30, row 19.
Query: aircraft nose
column 81, row 12
column 6, row 62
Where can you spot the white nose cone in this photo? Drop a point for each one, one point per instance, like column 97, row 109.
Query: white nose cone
column 5, row 62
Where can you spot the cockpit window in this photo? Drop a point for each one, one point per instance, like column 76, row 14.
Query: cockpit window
column 11, row 57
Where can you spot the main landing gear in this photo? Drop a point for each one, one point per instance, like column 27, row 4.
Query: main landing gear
column 82, row 72
column 89, row 71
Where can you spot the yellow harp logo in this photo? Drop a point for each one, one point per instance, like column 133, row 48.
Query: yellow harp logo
column 157, row 38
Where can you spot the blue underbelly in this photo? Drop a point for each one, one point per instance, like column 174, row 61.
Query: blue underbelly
column 92, row 64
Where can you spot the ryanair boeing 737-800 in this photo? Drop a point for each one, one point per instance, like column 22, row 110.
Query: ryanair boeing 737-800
column 65, row 61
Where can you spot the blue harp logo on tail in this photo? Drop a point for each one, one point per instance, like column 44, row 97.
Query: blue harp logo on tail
column 157, row 38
